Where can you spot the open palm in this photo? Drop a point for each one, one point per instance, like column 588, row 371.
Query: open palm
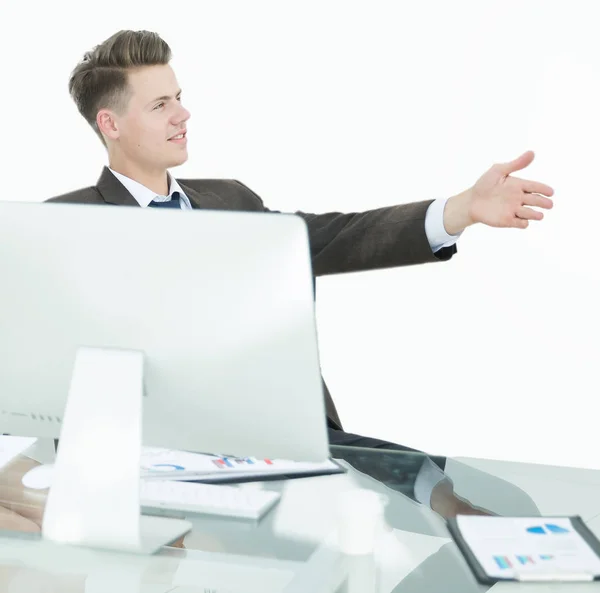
column 499, row 200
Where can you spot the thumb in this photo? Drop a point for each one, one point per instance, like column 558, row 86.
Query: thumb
column 519, row 163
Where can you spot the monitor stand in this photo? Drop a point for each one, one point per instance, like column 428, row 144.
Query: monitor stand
column 94, row 500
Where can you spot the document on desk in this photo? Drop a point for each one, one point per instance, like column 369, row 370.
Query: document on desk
column 166, row 464
column 11, row 447
column 527, row 548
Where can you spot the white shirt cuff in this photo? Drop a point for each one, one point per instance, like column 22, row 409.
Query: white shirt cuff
column 430, row 475
column 434, row 226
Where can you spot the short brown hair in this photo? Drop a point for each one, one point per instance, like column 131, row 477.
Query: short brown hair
column 99, row 81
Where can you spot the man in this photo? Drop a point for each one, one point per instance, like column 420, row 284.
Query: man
column 127, row 91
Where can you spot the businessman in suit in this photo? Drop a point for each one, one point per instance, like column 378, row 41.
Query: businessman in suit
column 128, row 92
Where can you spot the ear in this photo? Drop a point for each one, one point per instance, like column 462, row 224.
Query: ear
column 107, row 123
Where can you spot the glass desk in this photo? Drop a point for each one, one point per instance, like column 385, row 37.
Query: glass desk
column 293, row 548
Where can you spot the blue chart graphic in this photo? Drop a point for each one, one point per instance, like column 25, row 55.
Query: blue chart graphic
column 547, row 528
column 536, row 530
column 166, row 467
column 503, row 562
column 556, row 528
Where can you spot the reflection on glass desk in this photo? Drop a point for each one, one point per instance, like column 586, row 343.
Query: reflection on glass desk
column 294, row 547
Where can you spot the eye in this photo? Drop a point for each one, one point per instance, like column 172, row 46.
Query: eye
column 159, row 105
column 179, row 98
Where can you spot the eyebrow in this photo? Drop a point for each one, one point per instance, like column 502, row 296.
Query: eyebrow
column 164, row 97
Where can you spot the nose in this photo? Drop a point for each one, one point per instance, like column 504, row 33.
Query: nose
column 182, row 115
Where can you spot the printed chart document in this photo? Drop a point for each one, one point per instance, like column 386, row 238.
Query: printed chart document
column 522, row 548
column 166, row 464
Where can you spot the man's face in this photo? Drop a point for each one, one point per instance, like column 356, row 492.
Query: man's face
column 149, row 130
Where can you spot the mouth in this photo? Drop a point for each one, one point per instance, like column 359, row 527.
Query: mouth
column 179, row 138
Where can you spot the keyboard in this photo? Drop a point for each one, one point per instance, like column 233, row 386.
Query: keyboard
column 209, row 499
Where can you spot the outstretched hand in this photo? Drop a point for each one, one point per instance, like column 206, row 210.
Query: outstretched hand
column 499, row 200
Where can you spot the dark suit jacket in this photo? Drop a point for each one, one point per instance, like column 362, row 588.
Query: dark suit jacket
column 375, row 239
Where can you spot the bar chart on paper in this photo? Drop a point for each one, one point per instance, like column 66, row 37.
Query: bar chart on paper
column 504, row 562
column 547, row 528
column 505, row 546
column 157, row 463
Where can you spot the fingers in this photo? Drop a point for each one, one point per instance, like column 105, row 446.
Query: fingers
column 533, row 192
column 519, row 163
column 528, row 214
column 520, row 223
column 537, row 201
column 15, row 522
column 535, row 187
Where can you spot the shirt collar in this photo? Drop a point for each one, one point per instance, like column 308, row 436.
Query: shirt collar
column 143, row 196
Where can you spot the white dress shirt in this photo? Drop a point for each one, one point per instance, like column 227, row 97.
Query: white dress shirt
column 143, row 196
column 434, row 226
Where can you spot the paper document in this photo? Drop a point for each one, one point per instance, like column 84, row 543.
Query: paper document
column 509, row 546
column 10, row 447
column 166, row 464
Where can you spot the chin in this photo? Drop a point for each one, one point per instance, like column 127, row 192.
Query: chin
column 176, row 162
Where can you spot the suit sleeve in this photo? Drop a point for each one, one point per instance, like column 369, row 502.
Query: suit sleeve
column 374, row 239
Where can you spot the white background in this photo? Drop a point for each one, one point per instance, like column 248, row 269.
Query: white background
column 346, row 106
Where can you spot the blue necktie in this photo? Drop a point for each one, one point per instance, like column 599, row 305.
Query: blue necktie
column 174, row 202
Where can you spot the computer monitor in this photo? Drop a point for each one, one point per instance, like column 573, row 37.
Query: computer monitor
column 218, row 304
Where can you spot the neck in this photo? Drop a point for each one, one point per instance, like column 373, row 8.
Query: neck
column 155, row 180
